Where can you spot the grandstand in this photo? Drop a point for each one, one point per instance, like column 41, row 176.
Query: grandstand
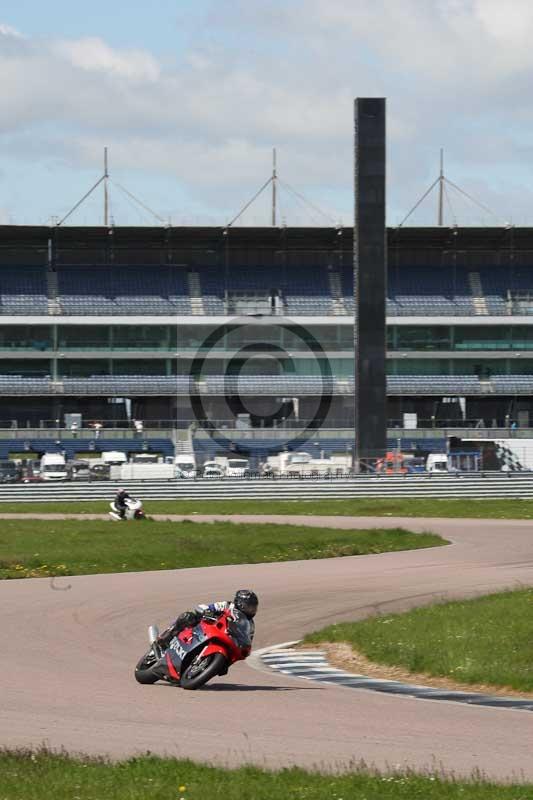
column 123, row 323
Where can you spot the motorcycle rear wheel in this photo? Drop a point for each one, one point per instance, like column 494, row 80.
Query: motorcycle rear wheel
column 196, row 674
column 144, row 672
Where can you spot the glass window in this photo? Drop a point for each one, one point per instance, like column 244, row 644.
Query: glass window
column 419, row 366
column 326, row 335
column 521, row 337
column 482, row 337
column 192, row 337
column 519, row 366
column 257, row 337
column 482, row 367
column 134, row 366
column 140, row 337
column 418, row 337
column 25, row 337
column 84, row 368
column 83, row 337
column 31, row 368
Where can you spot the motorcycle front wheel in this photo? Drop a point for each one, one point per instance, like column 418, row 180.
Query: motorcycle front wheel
column 202, row 669
column 144, row 672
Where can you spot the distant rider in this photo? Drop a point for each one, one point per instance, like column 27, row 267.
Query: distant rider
column 120, row 501
column 245, row 600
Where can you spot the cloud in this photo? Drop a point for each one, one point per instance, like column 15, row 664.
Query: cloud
column 93, row 55
column 456, row 73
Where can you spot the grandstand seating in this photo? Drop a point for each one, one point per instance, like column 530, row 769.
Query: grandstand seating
column 436, row 384
column 115, row 290
column 422, row 291
column 128, row 385
column 508, row 292
column 132, row 385
column 71, row 447
column 257, row 449
column 163, row 289
column 23, row 290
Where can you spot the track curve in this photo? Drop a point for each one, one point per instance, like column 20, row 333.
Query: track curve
column 69, row 654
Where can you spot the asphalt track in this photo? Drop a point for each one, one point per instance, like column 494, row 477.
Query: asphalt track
column 69, row 651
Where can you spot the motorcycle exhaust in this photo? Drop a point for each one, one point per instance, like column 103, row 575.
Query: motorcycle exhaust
column 153, row 633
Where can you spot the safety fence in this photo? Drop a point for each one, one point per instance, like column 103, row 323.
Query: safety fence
column 519, row 485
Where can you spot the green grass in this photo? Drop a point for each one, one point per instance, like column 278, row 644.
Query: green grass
column 33, row 776
column 488, row 640
column 41, row 548
column 406, row 507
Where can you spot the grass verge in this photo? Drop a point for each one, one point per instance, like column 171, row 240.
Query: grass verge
column 487, row 641
column 42, row 548
column 32, row 776
column 506, row 508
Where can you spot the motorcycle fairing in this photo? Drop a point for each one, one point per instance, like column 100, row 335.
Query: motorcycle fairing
column 180, row 647
column 214, row 647
column 173, row 673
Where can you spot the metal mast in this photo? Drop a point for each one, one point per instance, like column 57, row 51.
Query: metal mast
column 106, row 195
column 441, row 189
column 274, row 181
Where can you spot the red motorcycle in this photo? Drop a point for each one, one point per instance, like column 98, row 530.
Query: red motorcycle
column 197, row 654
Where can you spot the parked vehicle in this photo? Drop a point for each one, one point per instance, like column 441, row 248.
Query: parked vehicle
column 145, row 458
column 54, row 467
column 79, row 470
column 185, row 465
column 114, row 457
column 10, row 472
column 142, row 471
column 416, row 465
column 212, row 470
column 437, row 463
column 196, row 655
column 233, row 467
column 303, row 465
column 99, row 472
column 32, row 472
column 134, row 510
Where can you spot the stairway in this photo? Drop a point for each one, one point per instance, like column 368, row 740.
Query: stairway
column 195, row 293
column 52, row 290
column 478, row 298
column 183, row 442
column 335, row 290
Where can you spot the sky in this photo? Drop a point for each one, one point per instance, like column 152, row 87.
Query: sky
column 190, row 97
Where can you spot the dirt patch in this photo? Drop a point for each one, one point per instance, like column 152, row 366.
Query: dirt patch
column 343, row 656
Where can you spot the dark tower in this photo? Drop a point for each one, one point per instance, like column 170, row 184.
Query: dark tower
column 370, row 279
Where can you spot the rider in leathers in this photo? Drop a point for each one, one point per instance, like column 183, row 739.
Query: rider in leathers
column 245, row 600
column 120, row 501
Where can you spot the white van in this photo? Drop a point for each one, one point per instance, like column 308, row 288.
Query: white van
column 437, row 463
column 233, row 467
column 146, row 458
column 185, row 465
column 114, row 457
column 53, row 467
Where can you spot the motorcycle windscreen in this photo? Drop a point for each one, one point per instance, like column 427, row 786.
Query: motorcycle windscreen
column 240, row 630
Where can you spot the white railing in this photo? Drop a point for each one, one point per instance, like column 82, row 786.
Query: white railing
column 480, row 485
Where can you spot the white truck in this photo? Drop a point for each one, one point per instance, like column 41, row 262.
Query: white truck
column 54, row 467
column 113, row 458
column 142, row 472
column 304, row 465
column 146, row 458
column 185, row 465
column 437, row 463
column 233, row 467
